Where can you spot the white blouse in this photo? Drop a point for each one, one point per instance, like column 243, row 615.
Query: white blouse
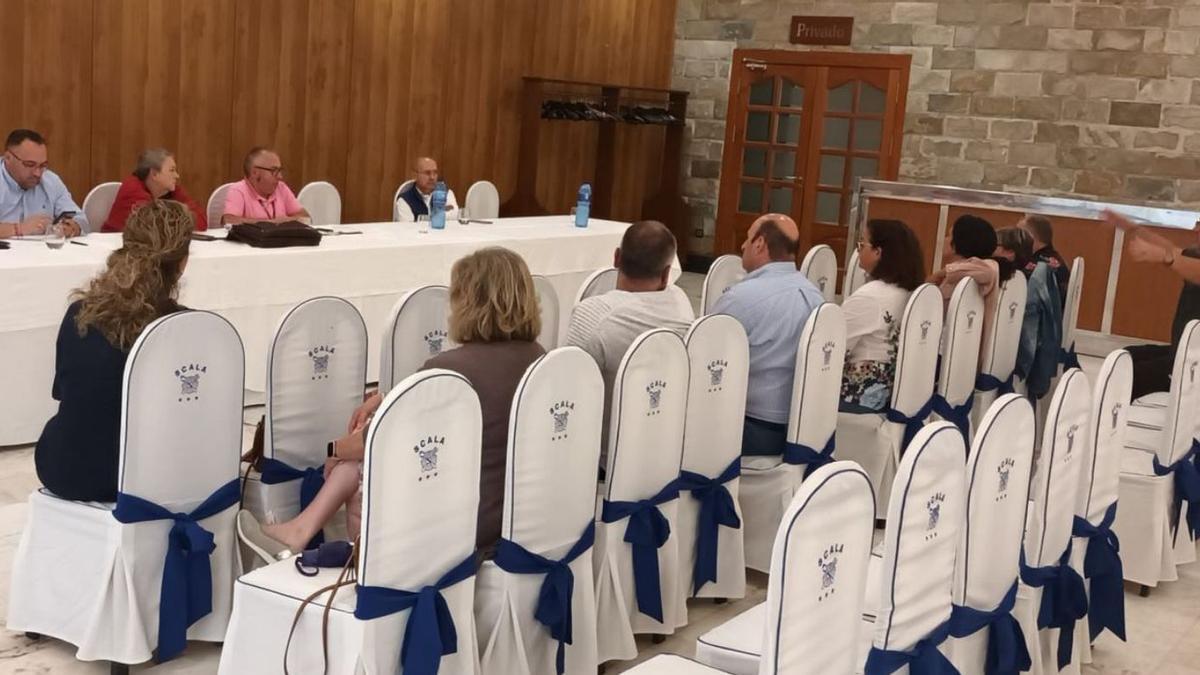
column 873, row 314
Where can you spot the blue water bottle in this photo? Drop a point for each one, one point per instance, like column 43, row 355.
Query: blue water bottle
column 583, row 205
column 437, row 207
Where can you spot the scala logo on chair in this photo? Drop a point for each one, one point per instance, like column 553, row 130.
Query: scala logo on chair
column 1192, row 372
column 1071, row 441
column 1012, row 310
column 971, row 320
column 561, row 414
column 827, row 563
column 320, row 361
column 434, row 340
column 427, row 451
column 925, row 325
column 654, row 392
column 1004, row 469
column 827, row 352
column 716, row 374
column 189, row 381
column 821, row 283
column 1116, row 413
column 934, row 507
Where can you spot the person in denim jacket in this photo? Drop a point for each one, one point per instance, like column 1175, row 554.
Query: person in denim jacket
column 1041, row 332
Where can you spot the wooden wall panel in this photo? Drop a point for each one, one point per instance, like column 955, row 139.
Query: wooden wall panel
column 1147, row 293
column 921, row 217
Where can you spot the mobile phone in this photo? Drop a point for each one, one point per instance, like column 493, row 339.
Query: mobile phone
column 63, row 216
column 196, row 236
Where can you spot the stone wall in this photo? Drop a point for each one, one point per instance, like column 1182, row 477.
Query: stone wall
column 1064, row 97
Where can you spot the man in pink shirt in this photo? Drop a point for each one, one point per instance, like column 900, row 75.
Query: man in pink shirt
column 262, row 196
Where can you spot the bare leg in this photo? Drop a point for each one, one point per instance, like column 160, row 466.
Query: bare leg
column 340, row 485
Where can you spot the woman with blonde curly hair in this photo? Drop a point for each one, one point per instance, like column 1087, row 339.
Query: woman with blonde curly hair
column 77, row 454
column 494, row 316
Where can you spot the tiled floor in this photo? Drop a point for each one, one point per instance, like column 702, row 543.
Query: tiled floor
column 1164, row 629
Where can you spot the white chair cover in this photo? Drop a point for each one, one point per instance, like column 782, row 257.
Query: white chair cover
column 1153, row 533
column 216, row 206
column 1000, row 346
column 420, row 505
column 322, row 201
column 548, row 305
column 316, row 372
column 1101, row 472
column 724, row 272
column 98, row 203
column 599, row 282
column 821, row 267
column 719, row 357
column 989, row 547
column 483, row 200
column 916, row 571
column 813, row 612
column 549, row 507
column 768, row 482
column 645, row 449
column 855, row 277
column 1071, row 310
column 672, row 664
column 417, row 330
column 1054, row 490
column 873, row 441
column 961, row 336
column 84, row 577
column 396, row 200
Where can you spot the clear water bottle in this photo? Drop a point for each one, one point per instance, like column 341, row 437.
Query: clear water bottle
column 583, row 205
column 437, row 207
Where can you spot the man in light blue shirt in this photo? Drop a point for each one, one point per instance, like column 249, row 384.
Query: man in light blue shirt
column 772, row 303
column 32, row 197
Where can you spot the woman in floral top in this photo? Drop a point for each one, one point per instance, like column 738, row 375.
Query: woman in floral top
column 891, row 255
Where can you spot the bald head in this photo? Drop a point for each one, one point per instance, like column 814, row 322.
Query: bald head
column 425, row 173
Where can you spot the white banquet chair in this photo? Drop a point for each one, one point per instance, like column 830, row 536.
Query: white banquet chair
column 639, row 498
column 1152, row 522
column 483, row 200
column 548, row 306
column 129, row 581
column 420, row 504
column 910, row 592
column 955, row 390
column 543, row 563
column 984, row 635
column 877, row 441
column 709, row 521
column 417, row 330
column 723, row 273
column 322, row 201
column 316, row 373
column 216, row 206
column 1095, row 552
column 769, row 481
column 855, row 276
column 999, row 347
column 810, row 621
column 396, row 200
column 599, row 282
column 1070, row 319
column 820, row 267
column 98, row 203
column 1046, row 573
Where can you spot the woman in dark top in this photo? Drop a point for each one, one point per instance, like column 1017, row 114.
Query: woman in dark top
column 494, row 315
column 77, row 455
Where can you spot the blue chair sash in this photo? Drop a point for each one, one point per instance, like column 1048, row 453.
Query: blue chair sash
column 1007, row 653
column 1064, row 600
column 1187, row 484
column 923, row 659
column 1068, row 358
column 312, row 479
column 646, row 532
column 553, row 608
column 911, row 424
column 430, row 633
column 958, row 415
column 985, row 382
column 798, row 453
column 1102, row 564
column 185, row 595
column 716, row 509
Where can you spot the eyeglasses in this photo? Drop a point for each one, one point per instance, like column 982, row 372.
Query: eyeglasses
column 276, row 171
column 32, row 166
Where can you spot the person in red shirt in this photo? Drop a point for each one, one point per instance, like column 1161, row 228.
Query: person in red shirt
column 156, row 177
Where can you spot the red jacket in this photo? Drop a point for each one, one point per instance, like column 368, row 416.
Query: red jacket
column 133, row 193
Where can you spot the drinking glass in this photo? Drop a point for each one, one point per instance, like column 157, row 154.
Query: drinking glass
column 464, row 217
column 55, row 236
column 423, row 223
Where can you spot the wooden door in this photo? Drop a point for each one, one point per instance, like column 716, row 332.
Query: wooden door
column 801, row 128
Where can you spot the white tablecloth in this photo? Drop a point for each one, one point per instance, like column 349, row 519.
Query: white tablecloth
column 254, row 287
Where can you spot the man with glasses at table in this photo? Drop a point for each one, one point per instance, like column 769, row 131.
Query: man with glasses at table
column 262, row 196
column 32, row 197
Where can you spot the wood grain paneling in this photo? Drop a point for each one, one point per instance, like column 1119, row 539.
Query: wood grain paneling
column 1147, row 293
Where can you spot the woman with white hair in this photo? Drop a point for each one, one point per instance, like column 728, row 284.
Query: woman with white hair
column 155, row 177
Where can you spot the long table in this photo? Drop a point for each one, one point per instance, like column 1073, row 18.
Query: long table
column 254, row 287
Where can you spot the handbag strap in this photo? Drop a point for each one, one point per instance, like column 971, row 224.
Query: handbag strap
column 346, row 577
